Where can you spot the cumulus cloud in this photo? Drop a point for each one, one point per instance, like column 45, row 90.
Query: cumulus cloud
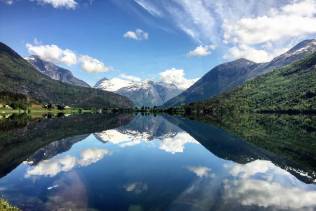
column 253, row 54
column 92, row 65
column 138, row 34
column 261, row 38
column 292, row 20
column 177, row 77
column 269, row 194
column 53, row 53
column 202, row 50
column 57, row 55
column 176, row 143
column 69, row 4
column 261, row 183
column 90, row 156
column 57, row 165
column 200, row 171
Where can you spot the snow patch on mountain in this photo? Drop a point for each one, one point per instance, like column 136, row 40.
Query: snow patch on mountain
column 141, row 92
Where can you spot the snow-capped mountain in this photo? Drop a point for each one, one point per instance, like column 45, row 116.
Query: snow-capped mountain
column 114, row 84
column 55, row 72
column 142, row 93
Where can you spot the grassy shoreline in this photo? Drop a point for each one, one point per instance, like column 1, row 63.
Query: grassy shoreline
column 6, row 206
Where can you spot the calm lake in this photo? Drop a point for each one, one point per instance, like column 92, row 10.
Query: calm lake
column 144, row 162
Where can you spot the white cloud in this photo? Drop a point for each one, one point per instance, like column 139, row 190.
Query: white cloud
column 260, row 38
column 253, row 54
column 90, row 156
column 93, row 65
column 57, row 165
column 149, row 7
column 245, row 27
column 200, row 171
column 270, row 194
column 57, row 55
column 136, row 187
column 130, row 77
column 176, row 143
column 69, row 4
column 138, row 34
column 292, row 20
column 202, row 50
column 53, row 53
column 195, row 19
column 177, row 77
column 192, row 17
column 52, row 167
column 261, row 183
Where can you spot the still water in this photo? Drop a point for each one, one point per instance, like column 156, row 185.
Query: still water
column 138, row 163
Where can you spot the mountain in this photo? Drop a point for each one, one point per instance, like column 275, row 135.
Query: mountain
column 290, row 89
column 227, row 76
column 57, row 147
column 142, row 93
column 298, row 52
column 21, row 80
column 55, row 72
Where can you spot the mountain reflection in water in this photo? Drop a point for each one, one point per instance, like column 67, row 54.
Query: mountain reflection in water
column 135, row 162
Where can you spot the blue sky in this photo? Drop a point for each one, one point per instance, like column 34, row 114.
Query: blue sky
column 99, row 38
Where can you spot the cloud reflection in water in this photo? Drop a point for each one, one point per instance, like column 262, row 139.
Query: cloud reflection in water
column 66, row 163
column 171, row 142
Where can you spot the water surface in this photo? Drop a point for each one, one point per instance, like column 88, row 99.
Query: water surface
column 141, row 162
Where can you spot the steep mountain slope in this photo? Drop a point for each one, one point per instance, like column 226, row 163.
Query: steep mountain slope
column 17, row 76
column 142, row 93
column 219, row 79
column 291, row 89
column 55, row 72
column 224, row 77
column 298, row 52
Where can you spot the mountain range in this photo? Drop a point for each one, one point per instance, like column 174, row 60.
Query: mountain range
column 142, row 93
column 227, row 76
column 55, row 72
column 19, row 79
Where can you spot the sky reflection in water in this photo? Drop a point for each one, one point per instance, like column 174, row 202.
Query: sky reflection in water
column 147, row 164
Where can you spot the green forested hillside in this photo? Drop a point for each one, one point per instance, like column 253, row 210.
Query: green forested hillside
column 291, row 89
column 17, row 76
